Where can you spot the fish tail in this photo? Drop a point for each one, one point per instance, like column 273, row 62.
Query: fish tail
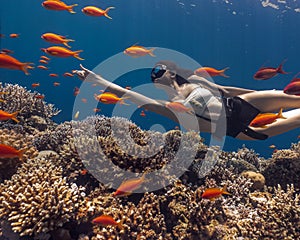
column 21, row 153
column 222, row 72
column 280, row 69
column 106, row 11
column 124, row 103
column 151, row 52
column 76, row 55
column 70, row 8
column 14, row 116
column 224, row 190
column 66, row 44
column 279, row 115
column 26, row 66
column 120, row 224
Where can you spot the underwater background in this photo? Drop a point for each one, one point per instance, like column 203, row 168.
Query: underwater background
column 242, row 35
column 61, row 179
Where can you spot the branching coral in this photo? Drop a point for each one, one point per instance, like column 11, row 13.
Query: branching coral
column 33, row 112
column 37, row 199
column 8, row 166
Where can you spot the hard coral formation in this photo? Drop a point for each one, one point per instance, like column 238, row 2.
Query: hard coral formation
column 33, row 113
column 9, row 166
column 37, row 199
column 62, row 190
column 284, row 167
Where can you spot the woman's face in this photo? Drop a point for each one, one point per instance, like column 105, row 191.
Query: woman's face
column 162, row 77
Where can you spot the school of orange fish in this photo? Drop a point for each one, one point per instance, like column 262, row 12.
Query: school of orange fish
column 128, row 186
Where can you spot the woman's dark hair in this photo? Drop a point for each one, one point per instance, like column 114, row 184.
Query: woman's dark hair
column 182, row 74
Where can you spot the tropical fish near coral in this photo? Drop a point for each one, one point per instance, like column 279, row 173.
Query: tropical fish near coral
column 204, row 71
column 128, row 186
column 96, row 12
column 293, row 88
column 7, row 151
column 6, row 116
column 106, row 220
column 10, row 62
column 139, row 51
column 110, row 98
column 179, row 107
column 56, row 39
column 262, row 119
column 269, row 72
column 58, row 6
column 62, row 52
column 213, row 193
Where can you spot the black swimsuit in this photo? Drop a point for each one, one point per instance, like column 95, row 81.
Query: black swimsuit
column 239, row 113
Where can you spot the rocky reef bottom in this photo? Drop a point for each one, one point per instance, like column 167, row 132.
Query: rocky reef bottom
column 69, row 172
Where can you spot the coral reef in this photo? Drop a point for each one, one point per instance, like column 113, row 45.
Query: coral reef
column 57, row 193
column 9, row 166
column 33, row 113
column 37, row 198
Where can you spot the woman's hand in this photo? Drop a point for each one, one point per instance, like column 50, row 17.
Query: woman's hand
column 82, row 74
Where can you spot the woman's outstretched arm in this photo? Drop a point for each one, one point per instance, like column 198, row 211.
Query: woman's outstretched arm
column 150, row 104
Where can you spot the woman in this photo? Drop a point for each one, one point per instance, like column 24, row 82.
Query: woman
column 211, row 103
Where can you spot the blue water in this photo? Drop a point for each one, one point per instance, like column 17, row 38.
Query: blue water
column 240, row 34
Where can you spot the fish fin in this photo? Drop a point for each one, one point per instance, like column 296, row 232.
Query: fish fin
column 20, row 153
column 66, row 44
column 76, row 55
column 120, row 224
column 280, row 70
column 106, row 11
column 124, row 103
column 151, row 52
column 70, row 8
column 279, row 115
column 14, row 116
column 26, row 66
column 212, row 199
column 223, row 74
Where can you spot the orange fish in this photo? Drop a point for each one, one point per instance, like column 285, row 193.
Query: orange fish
column 272, row 146
column 143, row 114
column 56, row 84
column 14, row 35
column 96, row 110
column 10, row 62
column 262, row 119
column 84, row 171
column 6, row 51
column 34, row 85
column 203, row 71
column 110, row 98
column 139, row 51
column 76, row 91
column 62, row 52
column 107, row 220
column 43, row 61
column 58, row 6
column 53, row 75
column 45, row 58
column 213, row 193
column 128, row 186
column 6, row 116
column 96, row 12
column 84, row 100
column 57, row 39
column 39, row 96
column 10, row 152
column 66, row 74
column 179, row 107
column 42, row 67
column 268, row 72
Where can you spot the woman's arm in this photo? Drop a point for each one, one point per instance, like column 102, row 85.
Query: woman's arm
column 215, row 88
column 150, row 104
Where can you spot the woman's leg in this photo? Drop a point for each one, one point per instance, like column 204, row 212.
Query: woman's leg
column 271, row 100
column 291, row 122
